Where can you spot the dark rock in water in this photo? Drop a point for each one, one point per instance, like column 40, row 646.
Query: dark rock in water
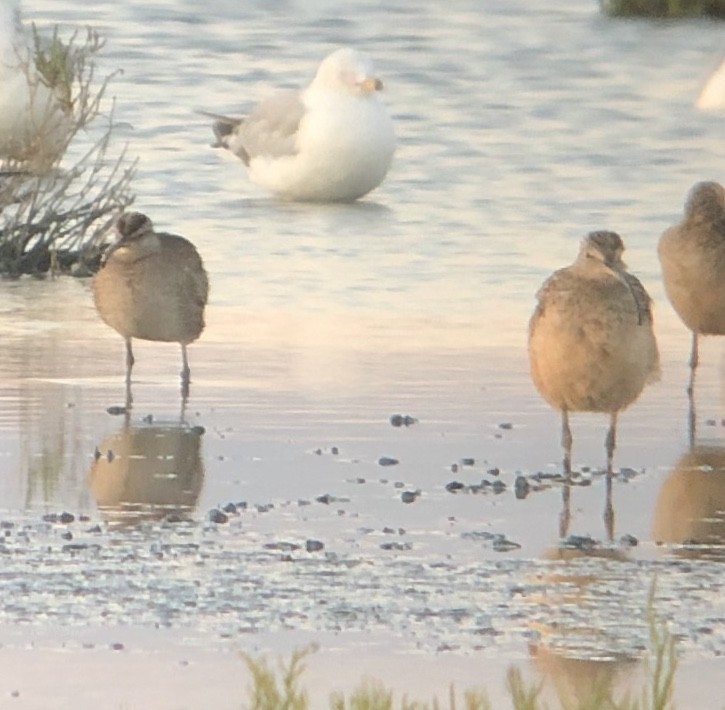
column 628, row 540
column 468, row 462
column 506, row 425
column 498, row 486
column 116, row 410
column 314, row 546
column 502, row 544
column 334, row 451
column 230, row 508
column 455, row 486
column 494, row 471
column 217, row 516
column 409, row 496
column 67, row 535
column 326, row 499
column 454, row 468
column 398, row 420
column 400, row 546
column 387, row 461
column 521, row 487
column 585, row 543
column 63, row 518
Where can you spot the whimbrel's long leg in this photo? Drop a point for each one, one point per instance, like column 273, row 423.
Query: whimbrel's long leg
column 566, row 441
column 611, row 444
column 692, row 412
column 185, row 373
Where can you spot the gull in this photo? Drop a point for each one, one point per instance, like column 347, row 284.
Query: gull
column 34, row 125
column 712, row 95
column 692, row 256
column 152, row 286
column 591, row 343
column 332, row 142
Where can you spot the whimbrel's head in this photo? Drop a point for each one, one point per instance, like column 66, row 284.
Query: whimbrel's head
column 604, row 246
column 706, row 202
column 132, row 226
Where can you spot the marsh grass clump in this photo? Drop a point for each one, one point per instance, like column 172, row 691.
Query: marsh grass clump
column 664, row 8
column 57, row 197
column 270, row 691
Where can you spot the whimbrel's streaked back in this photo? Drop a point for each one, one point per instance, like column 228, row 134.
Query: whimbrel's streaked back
column 591, row 343
column 692, row 255
column 152, row 286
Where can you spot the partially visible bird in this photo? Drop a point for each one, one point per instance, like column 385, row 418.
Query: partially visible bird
column 332, row 142
column 592, row 347
column 692, row 255
column 712, row 94
column 152, row 286
column 35, row 123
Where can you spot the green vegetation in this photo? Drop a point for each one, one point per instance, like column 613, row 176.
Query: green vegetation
column 664, row 8
column 270, row 692
column 59, row 189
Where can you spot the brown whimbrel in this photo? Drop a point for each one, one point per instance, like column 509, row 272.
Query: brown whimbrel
column 692, row 255
column 152, row 286
column 591, row 343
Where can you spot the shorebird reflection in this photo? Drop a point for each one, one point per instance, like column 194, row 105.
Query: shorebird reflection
column 148, row 472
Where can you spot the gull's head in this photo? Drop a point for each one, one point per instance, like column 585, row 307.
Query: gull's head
column 347, row 70
column 706, row 202
column 603, row 246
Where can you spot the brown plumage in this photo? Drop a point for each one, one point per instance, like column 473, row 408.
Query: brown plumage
column 591, row 343
column 152, row 286
column 692, row 255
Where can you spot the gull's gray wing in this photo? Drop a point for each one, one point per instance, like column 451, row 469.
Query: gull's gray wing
column 271, row 128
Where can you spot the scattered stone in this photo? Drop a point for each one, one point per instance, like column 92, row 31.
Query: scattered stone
column 521, row 487
column 455, row 486
column 116, row 411
column 387, row 461
column 468, row 462
column 398, row 420
column 398, row 484
column 64, row 518
column 217, row 516
column 97, row 454
column 148, row 419
column 231, row 509
column 494, row 471
column 318, row 452
column 326, row 499
column 502, row 544
column 498, row 486
column 409, row 496
column 628, row 540
column 314, row 546
column 117, row 646
column 109, row 456
column 264, row 507
column 506, row 425
column 627, row 473
column 454, row 468
column 388, row 531
column 398, row 546
column 334, row 451
column 585, row 543
column 67, row 535
column 710, row 422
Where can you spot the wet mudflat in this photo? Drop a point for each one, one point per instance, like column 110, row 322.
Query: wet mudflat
column 281, row 504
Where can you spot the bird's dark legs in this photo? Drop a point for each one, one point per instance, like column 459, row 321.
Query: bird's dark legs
column 692, row 415
column 566, row 442
column 611, row 444
column 185, row 373
column 129, row 366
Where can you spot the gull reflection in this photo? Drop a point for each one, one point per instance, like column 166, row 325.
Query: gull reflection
column 690, row 510
column 148, row 472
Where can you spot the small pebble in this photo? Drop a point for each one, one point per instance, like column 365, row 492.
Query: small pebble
column 454, row 486
column 117, row 646
column 506, row 425
column 468, row 462
column 387, row 461
column 217, row 516
column 521, row 487
column 148, row 419
column 409, row 496
column 116, row 411
column 314, row 545
column 398, row 420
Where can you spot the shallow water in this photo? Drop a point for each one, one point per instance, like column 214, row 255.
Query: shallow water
column 519, row 131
